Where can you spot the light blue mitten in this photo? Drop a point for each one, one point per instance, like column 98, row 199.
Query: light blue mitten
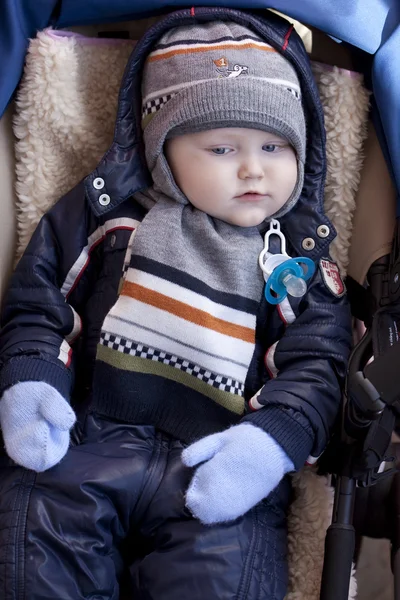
column 35, row 420
column 242, row 465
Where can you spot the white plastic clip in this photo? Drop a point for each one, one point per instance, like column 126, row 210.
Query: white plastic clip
column 265, row 254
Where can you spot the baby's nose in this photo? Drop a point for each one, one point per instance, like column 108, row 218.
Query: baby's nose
column 251, row 169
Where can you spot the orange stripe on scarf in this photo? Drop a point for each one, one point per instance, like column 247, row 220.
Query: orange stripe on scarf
column 184, row 311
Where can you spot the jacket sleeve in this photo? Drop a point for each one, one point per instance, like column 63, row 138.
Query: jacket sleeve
column 298, row 406
column 38, row 323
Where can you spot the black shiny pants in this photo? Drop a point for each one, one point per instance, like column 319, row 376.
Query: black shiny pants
column 109, row 523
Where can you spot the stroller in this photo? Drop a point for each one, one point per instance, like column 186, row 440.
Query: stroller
column 369, row 413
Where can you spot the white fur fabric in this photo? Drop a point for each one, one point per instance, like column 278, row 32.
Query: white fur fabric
column 64, row 122
column 345, row 102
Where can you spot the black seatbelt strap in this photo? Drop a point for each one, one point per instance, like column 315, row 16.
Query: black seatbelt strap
column 362, row 302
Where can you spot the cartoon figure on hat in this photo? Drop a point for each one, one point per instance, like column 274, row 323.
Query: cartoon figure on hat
column 224, row 71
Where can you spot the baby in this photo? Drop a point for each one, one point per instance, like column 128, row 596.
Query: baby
column 179, row 360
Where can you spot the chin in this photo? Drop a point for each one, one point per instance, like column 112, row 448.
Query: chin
column 248, row 222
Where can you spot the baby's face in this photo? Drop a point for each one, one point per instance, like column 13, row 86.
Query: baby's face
column 238, row 175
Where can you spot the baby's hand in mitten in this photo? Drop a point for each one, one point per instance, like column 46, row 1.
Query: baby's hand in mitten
column 241, row 466
column 35, row 420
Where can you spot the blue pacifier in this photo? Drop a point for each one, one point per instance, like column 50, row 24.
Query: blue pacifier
column 283, row 275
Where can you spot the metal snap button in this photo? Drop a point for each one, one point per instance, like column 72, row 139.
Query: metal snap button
column 308, row 244
column 323, row 231
column 104, row 199
column 98, row 183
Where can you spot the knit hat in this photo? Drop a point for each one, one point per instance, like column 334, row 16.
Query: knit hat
column 219, row 74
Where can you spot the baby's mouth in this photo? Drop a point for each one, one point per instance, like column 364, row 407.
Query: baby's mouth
column 250, row 197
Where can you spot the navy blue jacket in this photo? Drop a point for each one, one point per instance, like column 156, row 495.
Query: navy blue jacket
column 68, row 278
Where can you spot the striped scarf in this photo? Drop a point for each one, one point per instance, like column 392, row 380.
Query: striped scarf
column 187, row 309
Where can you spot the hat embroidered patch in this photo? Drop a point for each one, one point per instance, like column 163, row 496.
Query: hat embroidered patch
column 331, row 276
column 221, row 62
column 224, row 71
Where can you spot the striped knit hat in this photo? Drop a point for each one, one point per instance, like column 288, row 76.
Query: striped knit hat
column 220, row 74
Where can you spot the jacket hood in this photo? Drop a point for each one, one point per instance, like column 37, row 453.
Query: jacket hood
column 123, row 167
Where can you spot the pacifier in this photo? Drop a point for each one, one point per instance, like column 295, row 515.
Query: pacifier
column 283, row 275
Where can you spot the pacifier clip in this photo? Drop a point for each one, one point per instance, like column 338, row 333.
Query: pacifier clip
column 283, row 275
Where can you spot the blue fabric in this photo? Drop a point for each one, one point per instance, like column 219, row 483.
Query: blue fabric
column 386, row 86
column 241, row 466
column 35, row 420
column 365, row 24
column 20, row 20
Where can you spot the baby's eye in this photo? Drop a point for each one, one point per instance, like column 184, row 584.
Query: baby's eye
column 220, row 151
column 270, row 147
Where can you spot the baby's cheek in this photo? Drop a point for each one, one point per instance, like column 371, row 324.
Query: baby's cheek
column 290, row 178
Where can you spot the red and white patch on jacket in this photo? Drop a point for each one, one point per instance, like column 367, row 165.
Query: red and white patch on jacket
column 331, row 276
